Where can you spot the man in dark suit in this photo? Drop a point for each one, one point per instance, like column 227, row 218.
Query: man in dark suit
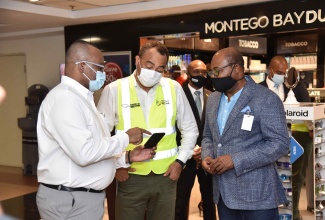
column 245, row 132
column 302, row 131
column 275, row 81
column 197, row 77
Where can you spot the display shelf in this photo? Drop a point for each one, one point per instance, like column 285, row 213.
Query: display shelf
column 314, row 112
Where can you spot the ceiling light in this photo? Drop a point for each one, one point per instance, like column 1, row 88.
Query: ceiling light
column 34, row 0
column 207, row 40
column 92, row 39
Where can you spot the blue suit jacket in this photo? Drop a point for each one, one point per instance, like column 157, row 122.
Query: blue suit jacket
column 254, row 182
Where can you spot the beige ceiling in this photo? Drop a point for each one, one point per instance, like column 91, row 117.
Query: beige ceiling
column 20, row 18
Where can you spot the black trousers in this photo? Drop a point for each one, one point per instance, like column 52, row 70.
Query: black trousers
column 184, row 188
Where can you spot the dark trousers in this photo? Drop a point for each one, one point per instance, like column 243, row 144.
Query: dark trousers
column 184, row 188
column 299, row 169
column 234, row 214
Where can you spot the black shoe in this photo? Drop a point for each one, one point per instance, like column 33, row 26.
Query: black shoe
column 310, row 209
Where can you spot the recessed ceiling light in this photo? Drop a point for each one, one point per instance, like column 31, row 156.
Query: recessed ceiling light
column 34, row 0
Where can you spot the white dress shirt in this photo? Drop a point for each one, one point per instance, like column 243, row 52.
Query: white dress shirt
column 75, row 147
column 279, row 91
column 184, row 116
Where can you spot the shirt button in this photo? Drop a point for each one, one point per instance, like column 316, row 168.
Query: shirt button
column 219, row 145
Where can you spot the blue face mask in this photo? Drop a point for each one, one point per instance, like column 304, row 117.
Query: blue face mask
column 278, row 79
column 96, row 84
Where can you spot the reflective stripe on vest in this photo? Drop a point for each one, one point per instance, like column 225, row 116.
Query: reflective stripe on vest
column 299, row 127
column 161, row 118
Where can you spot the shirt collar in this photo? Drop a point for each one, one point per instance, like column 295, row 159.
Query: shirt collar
column 193, row 90
column 77, row 86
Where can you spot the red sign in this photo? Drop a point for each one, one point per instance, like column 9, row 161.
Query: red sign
column 113, row 72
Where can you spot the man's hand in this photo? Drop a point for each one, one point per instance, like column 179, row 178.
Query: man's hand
column 222, row 164
column 140, row 153
column 135, row 135
column 174, row 170
column 122, row 174
column 197, row 156
column 206, row 164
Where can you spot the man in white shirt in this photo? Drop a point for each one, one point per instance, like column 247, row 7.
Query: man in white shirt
column 156, row 103
column 77, row 156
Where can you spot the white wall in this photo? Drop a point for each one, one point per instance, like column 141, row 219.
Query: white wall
column 43, row 56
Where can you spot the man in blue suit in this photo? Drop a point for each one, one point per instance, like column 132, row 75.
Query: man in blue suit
column 245, row 133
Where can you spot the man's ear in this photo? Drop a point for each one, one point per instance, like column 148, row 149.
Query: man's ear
column 81, row 67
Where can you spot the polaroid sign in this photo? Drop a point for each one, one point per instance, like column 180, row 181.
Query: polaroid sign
column 270, row 17
column 299, row 112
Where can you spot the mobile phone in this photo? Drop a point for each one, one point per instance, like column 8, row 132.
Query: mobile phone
column 154, row 139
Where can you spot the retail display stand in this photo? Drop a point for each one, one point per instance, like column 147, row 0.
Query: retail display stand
column 314, row 112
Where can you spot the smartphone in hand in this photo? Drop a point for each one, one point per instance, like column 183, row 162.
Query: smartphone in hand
column 153, row 140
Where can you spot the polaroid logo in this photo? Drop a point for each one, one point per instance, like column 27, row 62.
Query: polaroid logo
column 297, row 113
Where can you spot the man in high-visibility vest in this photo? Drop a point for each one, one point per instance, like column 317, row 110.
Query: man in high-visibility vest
column 157, row 104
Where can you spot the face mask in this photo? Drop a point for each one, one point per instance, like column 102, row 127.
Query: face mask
column 149, row 78
column 223, row 84
column 198, row 81
column 278, row 79
column 96, row 84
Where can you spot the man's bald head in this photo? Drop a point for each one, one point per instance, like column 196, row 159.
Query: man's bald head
column 82, row 51
column 196, row 63
column 277, row 61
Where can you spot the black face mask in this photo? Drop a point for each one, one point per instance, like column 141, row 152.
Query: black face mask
column 225, row 83
column 198, row 81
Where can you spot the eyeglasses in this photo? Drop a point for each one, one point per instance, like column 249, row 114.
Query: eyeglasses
column 288, row 191
column 319, row 124
column 320, row 204
column 214, row 73
column 318, row 151
column 101, row 67
column 285, row 178
column 318, row 177
column 285, row 216
column 318, row 166
column 319, row 190
column 283, row 165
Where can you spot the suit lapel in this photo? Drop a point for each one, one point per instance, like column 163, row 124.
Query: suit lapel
column 190, row 98
column 244, row 98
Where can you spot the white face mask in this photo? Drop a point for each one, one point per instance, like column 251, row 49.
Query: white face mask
column 149, row 78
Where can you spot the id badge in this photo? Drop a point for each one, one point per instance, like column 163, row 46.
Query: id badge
column 247, row 122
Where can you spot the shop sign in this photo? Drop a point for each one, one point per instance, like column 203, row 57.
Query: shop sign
column 298, row 112
column 297, row 44
column 250, row 45
column 269, row 17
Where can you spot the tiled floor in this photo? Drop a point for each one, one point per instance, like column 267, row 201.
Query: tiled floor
column 18, row 191
column 17, row 196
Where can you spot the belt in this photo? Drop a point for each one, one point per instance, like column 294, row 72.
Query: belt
column 69, row 189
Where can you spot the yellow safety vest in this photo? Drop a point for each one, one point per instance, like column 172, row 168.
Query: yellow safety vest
column 162, row 118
